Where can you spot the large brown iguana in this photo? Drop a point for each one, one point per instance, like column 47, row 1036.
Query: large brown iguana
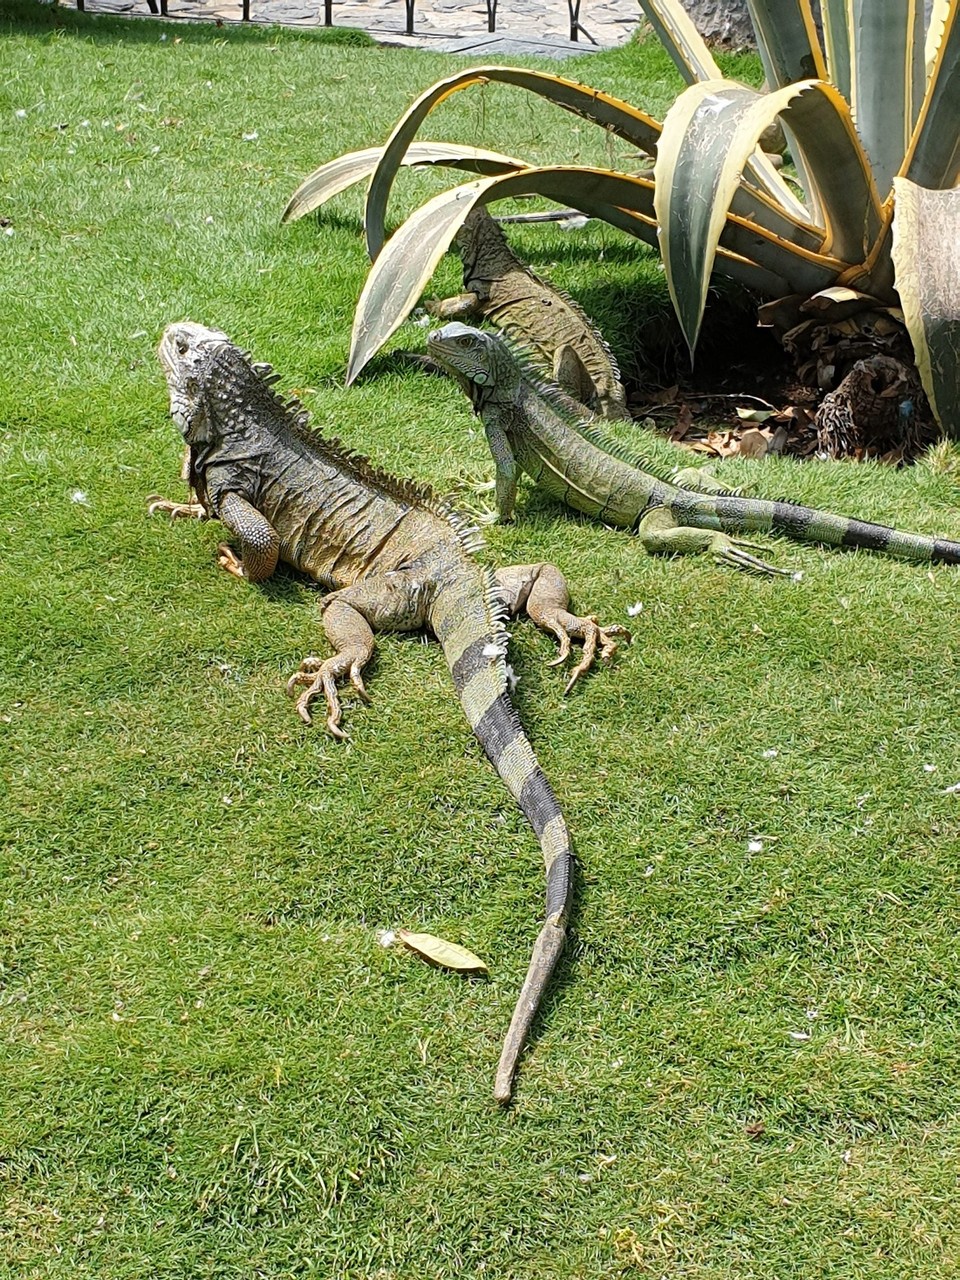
column 394, row 559
column 500, row 288
column 533, row 428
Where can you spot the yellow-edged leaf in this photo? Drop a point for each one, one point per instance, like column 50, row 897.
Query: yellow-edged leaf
column 933, row 157
column 675, row 30
column 787, row 41
column 926, row 231
column 887, row 79
column 693, row 59
column 707, row 136
column 448, row 955
column 610, row 113
column 836, row 43
column 355, row 166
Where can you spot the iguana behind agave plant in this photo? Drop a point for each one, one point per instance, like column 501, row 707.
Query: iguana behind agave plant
column 500, row 288
column 533, row 428
column 394, row 559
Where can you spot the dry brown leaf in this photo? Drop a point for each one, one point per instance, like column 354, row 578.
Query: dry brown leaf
column 753, row 444
column 448, row 955
column 754, row 415
column 724, row 443
column 684, row 422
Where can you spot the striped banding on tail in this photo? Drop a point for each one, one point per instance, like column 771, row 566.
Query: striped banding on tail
column 735, row 514
column 474, row 643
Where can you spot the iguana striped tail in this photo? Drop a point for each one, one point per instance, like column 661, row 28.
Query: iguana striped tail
column 466, row 617
column 734, row 514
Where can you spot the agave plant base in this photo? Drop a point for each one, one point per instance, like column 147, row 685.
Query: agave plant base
column 843, row 388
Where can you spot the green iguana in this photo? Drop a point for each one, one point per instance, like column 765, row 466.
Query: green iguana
column 502, row 289
column 394, row 558
column 533, row 428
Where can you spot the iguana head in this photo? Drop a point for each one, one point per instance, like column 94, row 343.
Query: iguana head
column 184, row 352
column 469, row 354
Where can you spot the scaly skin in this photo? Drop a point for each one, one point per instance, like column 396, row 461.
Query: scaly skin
column 394, row 558
column 533, row 429
column 500, row 288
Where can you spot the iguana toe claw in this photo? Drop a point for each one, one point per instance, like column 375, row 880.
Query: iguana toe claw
column 606, row 638
column 228, row 559
column 736, row 553
column 175, row 510
column 594, row 637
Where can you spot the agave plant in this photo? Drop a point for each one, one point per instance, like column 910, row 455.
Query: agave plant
column 872, row 114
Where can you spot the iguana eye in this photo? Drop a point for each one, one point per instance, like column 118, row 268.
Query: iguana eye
column 465, row 341
column 183, row 346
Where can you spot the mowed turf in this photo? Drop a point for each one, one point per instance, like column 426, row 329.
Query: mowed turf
column 212, row 1067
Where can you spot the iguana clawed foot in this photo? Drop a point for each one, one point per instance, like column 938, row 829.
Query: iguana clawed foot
column 541, row 591
column 228, row 559
column 320, row 675
column 566, row 626
column 733, row 551
column 175, row 510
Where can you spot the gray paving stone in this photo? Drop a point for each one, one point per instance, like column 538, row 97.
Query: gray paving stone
column 524, row 27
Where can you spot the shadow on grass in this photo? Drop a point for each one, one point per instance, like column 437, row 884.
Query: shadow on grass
column 30, row 18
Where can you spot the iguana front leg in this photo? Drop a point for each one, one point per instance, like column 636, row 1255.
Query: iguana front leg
column 661, row 534
column 175, row 510
column 541, row 590
column 259, row 541
column 507, row 471
column 462, row 306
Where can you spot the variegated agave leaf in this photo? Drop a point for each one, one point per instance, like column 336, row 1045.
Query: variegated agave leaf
column 926, row 232
column 356, row 166
column 707, row 136
column 610, row 113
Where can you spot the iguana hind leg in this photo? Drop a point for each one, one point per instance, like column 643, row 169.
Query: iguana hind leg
column 390, row 602
column 662, row 535
column 541, row 591
column 570, row 374
column 352, row 638
column 700, row 480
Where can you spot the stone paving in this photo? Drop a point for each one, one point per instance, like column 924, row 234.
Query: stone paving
column 540, row 27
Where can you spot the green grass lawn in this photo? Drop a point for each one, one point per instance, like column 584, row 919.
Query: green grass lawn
column 749, row 1065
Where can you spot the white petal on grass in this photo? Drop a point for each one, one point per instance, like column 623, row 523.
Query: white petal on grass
column 634, row 609
column 20, row 113
column 386, row 937
column 250, row 137
column 929, row 768
column 799, row 1035
column 79, row 496
column 771, row 753
column 754, row 846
